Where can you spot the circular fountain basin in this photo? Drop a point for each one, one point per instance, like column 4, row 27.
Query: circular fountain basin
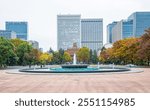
column 76, row 70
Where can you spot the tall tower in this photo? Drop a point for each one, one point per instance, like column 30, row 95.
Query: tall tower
column 109, row 31
column 141, row 22
column 123, row 29
column 68, row 31
column 92, row 33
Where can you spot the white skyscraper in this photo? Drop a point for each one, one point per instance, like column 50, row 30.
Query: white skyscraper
column 68, row 31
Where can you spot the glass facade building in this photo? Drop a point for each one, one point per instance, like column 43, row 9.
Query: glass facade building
column 109, row 31
column 134, row 26
column 127, row 27
column 141, row 22
column 123, row 29
column 92, row 33
column 68, row 31
column 21, row 29
column 7, row 34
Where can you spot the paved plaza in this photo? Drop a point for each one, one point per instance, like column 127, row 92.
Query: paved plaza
column 106, row 83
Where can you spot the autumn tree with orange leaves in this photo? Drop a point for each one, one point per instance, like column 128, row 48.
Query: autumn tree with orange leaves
column 130, row 50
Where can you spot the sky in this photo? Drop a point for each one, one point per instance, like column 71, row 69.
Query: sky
column 41, row 15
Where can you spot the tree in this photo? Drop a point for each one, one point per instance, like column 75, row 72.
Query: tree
column 95, row 58
column 51, row 51
column 144, row 47
column 119, row 51
column 106, row 56
column 58, row 57
column 36, row 54
column 23, row 52
column 123, row 52
column 83, row 55
column 55, row 59
column 33, row 57
column 131, row 51
column 7, row 54
column 16, row 42
column 91, row 56
column 61, row 53
column 67, row 57
column 45, row 58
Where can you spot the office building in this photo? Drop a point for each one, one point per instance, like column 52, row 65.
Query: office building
column 21, row 29
column 134, row 26
column 34, row 44
column 68, row 31
column 109, row 31
column 7, row 34
column 123, row 29
column 92, row 33
column 141, row 22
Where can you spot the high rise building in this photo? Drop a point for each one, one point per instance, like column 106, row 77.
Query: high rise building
column 68, row 31
column 109, row 31
column 92, row 33
column 141, row 22
column 123, row 29
column 134, row 26
column 21, row 29
column 7, row 34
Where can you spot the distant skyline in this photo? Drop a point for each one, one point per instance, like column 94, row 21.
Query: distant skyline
column 41, row 15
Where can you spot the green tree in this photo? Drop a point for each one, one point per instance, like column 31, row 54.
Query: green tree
column 95, row 57
column 58, row 57
column 23, row 51
column 83, row 55
column 61, row 53
column 26, row 54
column 55, row 59
column 7, row 54
column 16, row 42
column 91, row 56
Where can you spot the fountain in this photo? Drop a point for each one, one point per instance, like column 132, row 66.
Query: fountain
column 98, row 65
column 113, row 66
column 74, row 59
column 74, row 65
column 76, row 68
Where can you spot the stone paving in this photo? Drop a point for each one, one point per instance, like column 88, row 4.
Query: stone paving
column 109, row 83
